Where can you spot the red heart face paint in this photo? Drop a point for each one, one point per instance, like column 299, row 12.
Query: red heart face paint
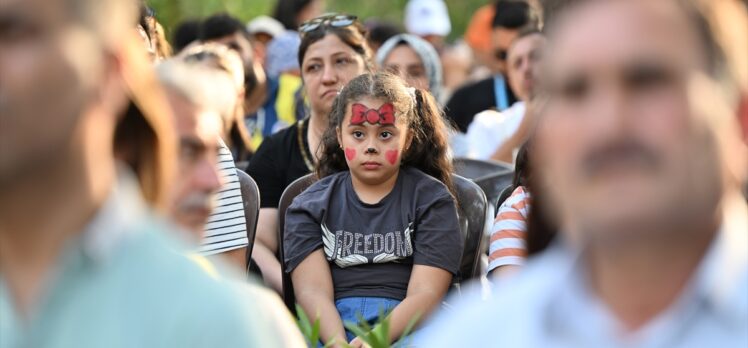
column 392, row 156
column 385, row 115
column 350, row 154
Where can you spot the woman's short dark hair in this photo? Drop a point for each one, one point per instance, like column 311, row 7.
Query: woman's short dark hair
column 287, row 12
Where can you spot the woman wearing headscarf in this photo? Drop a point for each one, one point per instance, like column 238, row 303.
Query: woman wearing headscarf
column 414, row 60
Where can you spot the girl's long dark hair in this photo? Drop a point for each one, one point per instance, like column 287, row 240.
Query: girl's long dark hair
column 429, row 149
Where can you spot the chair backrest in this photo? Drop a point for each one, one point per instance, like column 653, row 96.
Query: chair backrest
column 472, row 211
column 251, row 200
column 505, row 193
column 293, row 190
column 491, row 176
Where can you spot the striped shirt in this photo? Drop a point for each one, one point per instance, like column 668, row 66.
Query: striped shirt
column 226, row 229
column 508, row 243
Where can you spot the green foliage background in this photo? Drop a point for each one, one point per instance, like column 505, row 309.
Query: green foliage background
column 171, row 12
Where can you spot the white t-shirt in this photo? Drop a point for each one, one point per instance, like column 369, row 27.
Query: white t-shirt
column 490, row 129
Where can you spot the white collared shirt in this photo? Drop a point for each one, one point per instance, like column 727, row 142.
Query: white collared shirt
column 550, row 305
column 490, row 129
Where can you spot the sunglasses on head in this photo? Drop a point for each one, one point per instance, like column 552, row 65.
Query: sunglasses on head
column 331, row 20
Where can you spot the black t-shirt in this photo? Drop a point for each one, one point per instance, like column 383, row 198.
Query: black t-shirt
column 472, row 99
column 278, row 162
column 371, row 248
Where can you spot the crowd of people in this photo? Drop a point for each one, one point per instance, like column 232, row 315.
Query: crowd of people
column 164, row 214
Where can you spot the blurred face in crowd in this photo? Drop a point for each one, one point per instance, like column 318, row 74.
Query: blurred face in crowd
column 522, row 64
column 373, row 139
column 328, row 65
column 198, row 179
column 312, row 10
column 618, row 145
column 52, row 71
column 238, row 43
column 501, row 39
column 404, row 62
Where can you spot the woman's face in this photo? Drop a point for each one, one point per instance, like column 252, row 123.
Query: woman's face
column 328, row 65
column 403, row 61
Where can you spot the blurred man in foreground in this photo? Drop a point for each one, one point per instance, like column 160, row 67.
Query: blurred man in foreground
column 83, row 262
column 639, row 154
column 199, row 98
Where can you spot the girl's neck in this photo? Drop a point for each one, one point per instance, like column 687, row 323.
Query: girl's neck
column 373, row 193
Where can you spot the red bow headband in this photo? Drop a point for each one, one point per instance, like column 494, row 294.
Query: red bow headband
column 385, row 115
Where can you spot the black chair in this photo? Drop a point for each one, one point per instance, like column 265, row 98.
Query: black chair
column 293, row 190
column 251, row 200
column 491, row 176
column 505, row 193
column 473, row 214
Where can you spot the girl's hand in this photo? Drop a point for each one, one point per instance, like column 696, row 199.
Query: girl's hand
column 358, row 343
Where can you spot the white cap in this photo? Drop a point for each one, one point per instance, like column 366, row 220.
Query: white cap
column 265, row 24
column 427, row 17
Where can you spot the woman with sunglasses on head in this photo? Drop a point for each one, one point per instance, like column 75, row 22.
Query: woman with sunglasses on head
column 333, row 51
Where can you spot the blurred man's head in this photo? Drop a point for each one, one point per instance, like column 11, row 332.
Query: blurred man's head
column 511, row 16
column 523, row 62
column 59, row 79
column 229, row 31
column 622, row 149
column 200, row 97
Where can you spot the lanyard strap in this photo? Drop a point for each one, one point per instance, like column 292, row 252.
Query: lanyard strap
column 499, row 89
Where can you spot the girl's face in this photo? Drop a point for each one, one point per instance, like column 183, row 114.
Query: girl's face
column 328, row 66
column 373, row 136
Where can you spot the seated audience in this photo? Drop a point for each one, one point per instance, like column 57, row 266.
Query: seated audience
column 332, row 52
column 224, row 29
column 378, row 233
column 226, row 230
column 491, row 130
column 507, row 249
column 494, row 92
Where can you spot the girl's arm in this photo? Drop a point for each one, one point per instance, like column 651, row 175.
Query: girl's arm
column 314, row 292
column 426, row 288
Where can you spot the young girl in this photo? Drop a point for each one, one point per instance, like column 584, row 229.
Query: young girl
column 379, row 230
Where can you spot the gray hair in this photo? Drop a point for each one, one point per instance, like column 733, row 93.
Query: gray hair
column 202, row 86
column 424, row 50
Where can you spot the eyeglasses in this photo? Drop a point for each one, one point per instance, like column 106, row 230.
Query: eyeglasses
column 500, row 54
column 331, row 20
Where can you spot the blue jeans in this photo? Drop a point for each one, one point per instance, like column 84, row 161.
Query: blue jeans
column 369, row 308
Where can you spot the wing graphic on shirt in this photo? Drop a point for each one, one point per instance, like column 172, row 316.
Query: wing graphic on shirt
column 333, row 253
column 408, row 241
column 328, row 239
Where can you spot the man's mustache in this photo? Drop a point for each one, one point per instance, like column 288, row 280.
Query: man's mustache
column 624, row 151
column 197, row 201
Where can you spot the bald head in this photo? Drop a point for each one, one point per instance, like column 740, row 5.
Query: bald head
column 108, row 19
